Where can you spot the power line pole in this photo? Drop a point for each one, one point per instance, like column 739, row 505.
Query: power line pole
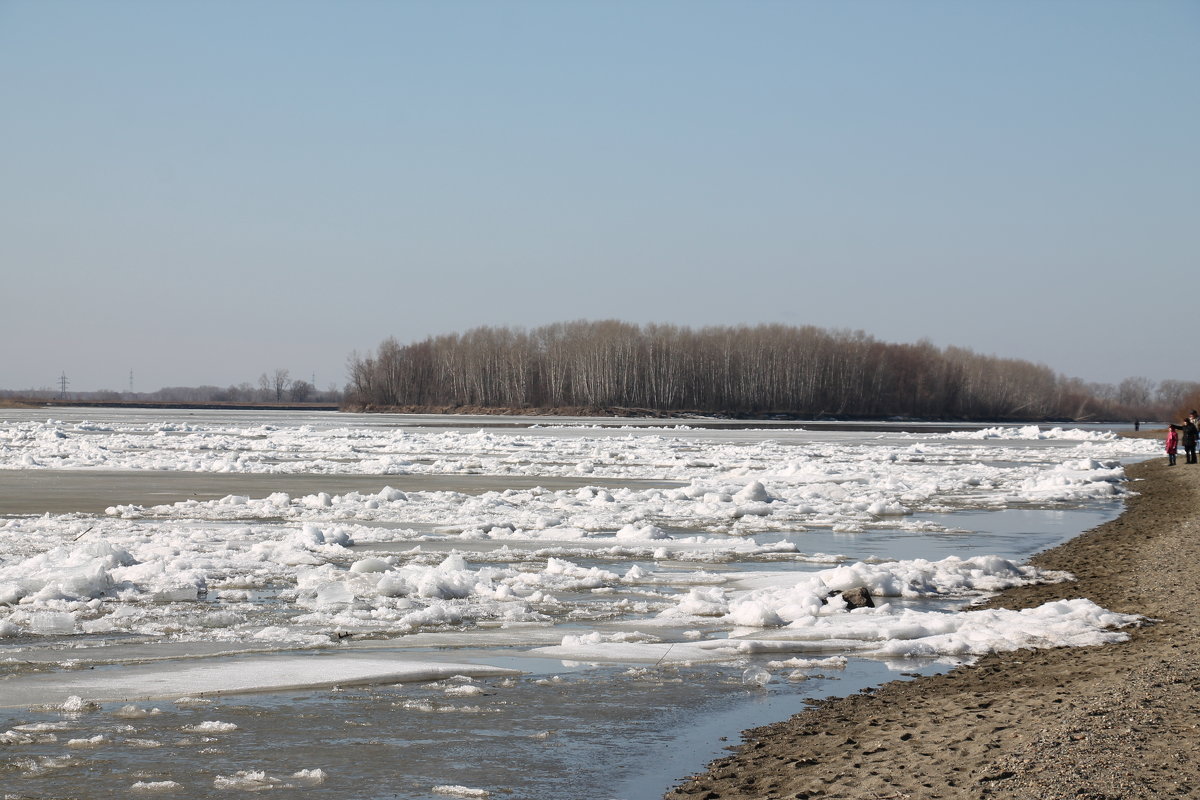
column 131, row 381
column 62, row 386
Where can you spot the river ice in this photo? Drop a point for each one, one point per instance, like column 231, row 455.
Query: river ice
column 700, row 561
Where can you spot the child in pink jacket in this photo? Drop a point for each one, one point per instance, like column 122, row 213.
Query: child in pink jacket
column 1172, row 444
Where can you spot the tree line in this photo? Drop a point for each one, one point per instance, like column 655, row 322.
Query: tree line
column 742, row 370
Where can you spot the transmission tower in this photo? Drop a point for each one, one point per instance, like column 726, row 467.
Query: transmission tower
column 62, row 386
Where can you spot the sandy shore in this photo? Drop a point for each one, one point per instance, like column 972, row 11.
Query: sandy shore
column 1096, row 723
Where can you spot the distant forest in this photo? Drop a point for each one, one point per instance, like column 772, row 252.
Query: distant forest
column 274, row 387
column 750, row 371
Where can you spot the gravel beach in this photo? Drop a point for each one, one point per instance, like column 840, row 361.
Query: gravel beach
column 1095, row 723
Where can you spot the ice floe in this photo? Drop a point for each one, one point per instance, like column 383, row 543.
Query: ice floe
column 635, row 530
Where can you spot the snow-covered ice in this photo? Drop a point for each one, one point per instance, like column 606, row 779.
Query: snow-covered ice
column 314, row 569
column 653, row 547
column 232, row 675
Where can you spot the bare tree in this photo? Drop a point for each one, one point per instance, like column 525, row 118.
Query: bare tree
column 280, row 383
column 301, row 391
column 1135, row 392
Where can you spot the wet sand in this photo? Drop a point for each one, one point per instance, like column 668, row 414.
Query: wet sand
column 1096, row 723
column 92, row 491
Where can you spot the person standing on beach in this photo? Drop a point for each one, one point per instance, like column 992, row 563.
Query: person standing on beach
column 1189, row 436
column 1172, row 444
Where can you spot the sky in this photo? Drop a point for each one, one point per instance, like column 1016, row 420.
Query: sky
column 198, row 192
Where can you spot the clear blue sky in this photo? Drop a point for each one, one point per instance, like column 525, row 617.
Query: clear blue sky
column 204, row 191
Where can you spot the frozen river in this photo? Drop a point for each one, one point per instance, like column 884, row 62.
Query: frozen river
column 200, row 604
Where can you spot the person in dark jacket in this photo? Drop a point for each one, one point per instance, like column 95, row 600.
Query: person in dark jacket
column 1187, row 436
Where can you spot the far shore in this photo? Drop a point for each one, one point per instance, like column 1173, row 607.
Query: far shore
column 13, row 402
column 1099, row 723
column 530, row 411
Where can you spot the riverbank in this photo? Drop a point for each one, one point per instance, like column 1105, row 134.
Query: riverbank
column 1101, row 723
column 735, row 415
column 214, row 405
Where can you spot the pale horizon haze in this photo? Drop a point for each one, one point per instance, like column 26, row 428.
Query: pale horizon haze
column 201, row 192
